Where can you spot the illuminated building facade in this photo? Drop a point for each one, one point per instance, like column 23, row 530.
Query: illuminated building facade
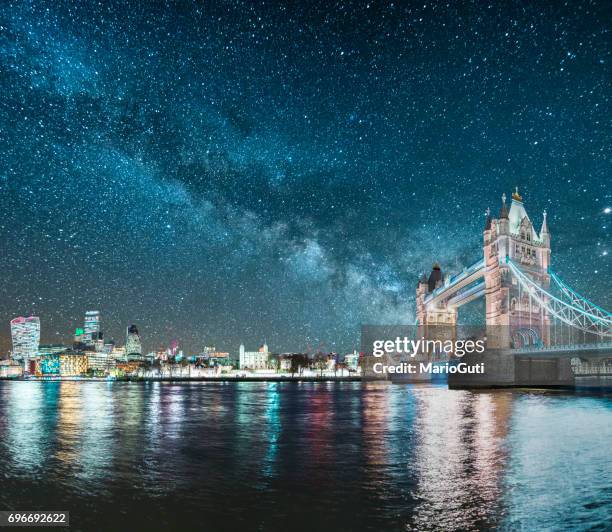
column 49, row 364
column 100, row 361
column 72, row 364
column 92, row 324
column 162, row 354
column 254, row 359
column 90, row 336
column 118, row 354
column 352, row 360
column 50, row 349
column 211, row 357
column 133, row 347
column 219, row 358
column 126, row 368
column 10, row 369
column 25, row 335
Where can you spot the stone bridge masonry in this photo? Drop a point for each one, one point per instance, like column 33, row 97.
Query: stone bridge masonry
column 514, row 278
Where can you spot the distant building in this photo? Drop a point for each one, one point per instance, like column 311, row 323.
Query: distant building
column 220, row 358
column 211, row 357
column 92, row 322
column 352, row 360
column 99, row 345
column 133, row 347
column 49, row 364
column 9, row 369
column 25, row 334
column 254, row 359
column 127, row 368
column 51, row 349
column 118, row 353
column 79, row 337
column 161, row 354
column 90, row 335
column 292, row 361
column 91, row 329
column 109, row 347
column 100, row 361
column 72, row 364
column 284, row 362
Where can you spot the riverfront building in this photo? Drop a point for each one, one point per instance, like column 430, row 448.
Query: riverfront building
column 100, row 361
column 9, row 369
column 25, row 335
column 352, row 361
column 254, row 359
column 48, row 365
column 68, row 363
column 73, row 364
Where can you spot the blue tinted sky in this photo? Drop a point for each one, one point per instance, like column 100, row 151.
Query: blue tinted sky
column 246, row 171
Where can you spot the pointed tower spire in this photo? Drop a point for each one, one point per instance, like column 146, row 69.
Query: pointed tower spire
column 544, row 230
column 545, row 239
column 504, row 209
column 488, row 219
column 516, row 196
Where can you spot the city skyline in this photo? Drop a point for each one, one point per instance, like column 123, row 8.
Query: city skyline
column 235, row 173
column 83, row 341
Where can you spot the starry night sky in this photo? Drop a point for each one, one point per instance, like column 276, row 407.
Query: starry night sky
column 240, row 171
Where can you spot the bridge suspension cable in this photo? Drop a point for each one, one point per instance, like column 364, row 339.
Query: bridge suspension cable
column 575, row 299
column 573, row 314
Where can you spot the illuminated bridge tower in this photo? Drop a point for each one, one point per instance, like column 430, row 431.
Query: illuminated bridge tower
column 442, row 317
column 513, row 318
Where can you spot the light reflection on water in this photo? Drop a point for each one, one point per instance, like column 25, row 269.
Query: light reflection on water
column 343, row 456
column 459, row 458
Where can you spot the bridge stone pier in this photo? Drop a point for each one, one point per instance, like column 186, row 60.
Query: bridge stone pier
column 564, row 366
column 537, row 326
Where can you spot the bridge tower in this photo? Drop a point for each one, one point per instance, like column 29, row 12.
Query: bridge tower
column 442, row 317
column 511, row 315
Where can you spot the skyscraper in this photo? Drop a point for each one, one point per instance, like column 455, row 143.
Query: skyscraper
column 132, row 342
column 25, row 334
column 91, row 327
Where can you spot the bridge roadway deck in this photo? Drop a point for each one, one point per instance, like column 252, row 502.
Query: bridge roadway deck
column 590, row 351
column 456, row 283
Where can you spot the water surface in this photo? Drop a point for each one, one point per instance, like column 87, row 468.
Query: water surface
column 309, row 456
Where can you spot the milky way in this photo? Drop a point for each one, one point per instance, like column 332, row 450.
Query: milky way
column 241, row 171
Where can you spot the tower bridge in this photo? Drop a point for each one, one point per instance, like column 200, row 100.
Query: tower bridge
column 529, row 310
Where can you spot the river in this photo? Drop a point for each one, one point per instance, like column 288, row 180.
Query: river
column 305, row 456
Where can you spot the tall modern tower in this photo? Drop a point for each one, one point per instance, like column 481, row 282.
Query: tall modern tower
column 132, row 342
column 25, row 334
column 91, row 327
